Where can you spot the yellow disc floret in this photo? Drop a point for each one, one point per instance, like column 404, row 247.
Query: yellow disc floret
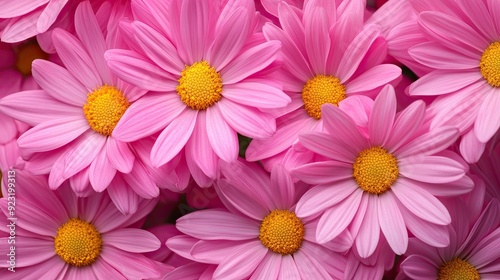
column 104, row 108
column 458, row 269
column 322, row 90
column 200, row 86
column 78, row 243
column 375, row 170
column 26, row 53
column 282, row 232
column 490, row 64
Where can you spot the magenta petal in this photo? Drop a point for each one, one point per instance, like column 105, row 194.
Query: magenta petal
column 242, row 262
column 217, row 224
column 173, row 138
column 369, row 232
column 246, row 120
column 392, row 223
column 120, row 155
column 222, row 137
column 132, row 240
column 382, row 117
column 101, row 172
column 419, row 267
column 488, row 119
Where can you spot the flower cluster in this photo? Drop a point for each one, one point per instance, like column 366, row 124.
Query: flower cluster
column 250, row 139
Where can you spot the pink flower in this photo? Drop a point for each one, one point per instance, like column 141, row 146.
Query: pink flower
column 462, row 49
column 385, row 181
column 329, row 56
column 207, row 66
column 59, row 235
column 487, row 168
column 472, row 253
column 259, row 235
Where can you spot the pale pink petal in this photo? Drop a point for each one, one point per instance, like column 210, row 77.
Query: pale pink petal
column 59, row 83
column 419, row 267
column 485, row 253
column 292, row 24
column 119, row 155
column 80, row 182
column 103, row 270
column 101, row 172
column 50, row 14
column 440, row 82
column 494, row 8
column 76, row 59
column 246, row 205
column 173, row 138
column 406, row 124
column 374, row 78
column 137, row 70
column 148, row 115
column 288, row 269
column 213, row 251
column 317, row 39
column 247, row 121
column 437, row 56
column 249, row 62
column 471, row 148
column 392, row 223
column 124, row 198
column 431, row 169
column 321, row 198
column 198, row 148
column 488, row 119
column 256, row 94
column 21, row 28
column 53, row 134
column 430, row 143
column 157, row 48
column 194, row 18
column 269, row 267
column 336, row 219
column 461, row 186
column 479, row 15
column 140, row 180
column 229, row 39
column 242, row 262
column 189, row 271
column 338, row 122
column 324, row 172
column 382, row 117
column 217, row 224
column 182, row 245
column 132, row 240
column 49, row 269
column 222, row 137
column 309, row 264
column 421, row 203
column 10, row 9
column 327, row 146
column 75, row 273
column 142, row 268
column 283, row 187
column 369, row 232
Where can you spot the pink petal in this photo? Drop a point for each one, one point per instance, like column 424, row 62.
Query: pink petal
column 369, row 232
column 101, row 172
column 291, row 24
column 51, row 135
column 374, row 78
column 199, row 150
column 255, row 94
column 119, row 260
column 246, row 205
column 137, row 70
column 217, row 224
column 173, row 138
column 431, row 169
column 317, row 38
column 310, row 266
column 288, row 269
column 406, row 124
column 242, row 262
column 440, row 82
column 336, row 219
column 437, row 56
column 488, row 121
column 494, row 7
column 132, row 240
column 247, row 120
column 49, row 269
column 119, row 155
column 194, row 19
column 50, row 14
column 10, row 9
column 148, row 115
column 320, row 198
column 123, row 197
column 21, row 28
column 140, row 180
column 338, row 122
column 428, row 144
column 213, row 251
column 103, row 270
column 382, row 117
column 471, row 148
column 269, row 267
column 324, row 172
column 325, row 145
column 222, row 137
column 59, row 83
column 282, row 184
column 419, row 267
column 249, row 62
column 392, row 223
column 422, row 204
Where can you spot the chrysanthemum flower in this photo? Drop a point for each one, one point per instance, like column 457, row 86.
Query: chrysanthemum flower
column 58, row 235
column 329, row 57
column 473, row 251
column 463, row 49
column 385, row 181
column 259, row 236
column 208, row 66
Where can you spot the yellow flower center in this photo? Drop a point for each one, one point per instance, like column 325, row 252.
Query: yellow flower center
column 26, row 53
column 375, row 170
column 490, row 64
column 104, row 108
column 322, row 90
column 78, row 243
column 458, row 269
column 282, row 232
column 200, row 86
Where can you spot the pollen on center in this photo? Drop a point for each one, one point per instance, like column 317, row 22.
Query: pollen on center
column 457, row 269
column 489, row 65
column 322, row 90
column 282, row 232
column 375, row 170
column 200, row 85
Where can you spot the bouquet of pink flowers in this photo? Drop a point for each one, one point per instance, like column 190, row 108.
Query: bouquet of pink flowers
column 242, row 139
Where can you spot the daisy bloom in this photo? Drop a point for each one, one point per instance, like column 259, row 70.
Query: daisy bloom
column 61, row 236
column 329, row 57
column 385, row 181
column 259, row 236
column 472, row 253
column 209, row 67
column 463, row 49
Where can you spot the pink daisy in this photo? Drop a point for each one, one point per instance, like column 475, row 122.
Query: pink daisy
column 473, row 251
column 61, row 236
column 463, row 48
column 329, row 57
column 208, row 66
column 385, row 181
column 487, row 168
column 74, row 118
column 259, row 236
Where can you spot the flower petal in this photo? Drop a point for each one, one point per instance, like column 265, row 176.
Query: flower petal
column 392, row 223
column 488, row 119
column 247, row 120
column 431, row 169
column 382, row 116
column 222, row 137
column 132, row 240
column 255, row 94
